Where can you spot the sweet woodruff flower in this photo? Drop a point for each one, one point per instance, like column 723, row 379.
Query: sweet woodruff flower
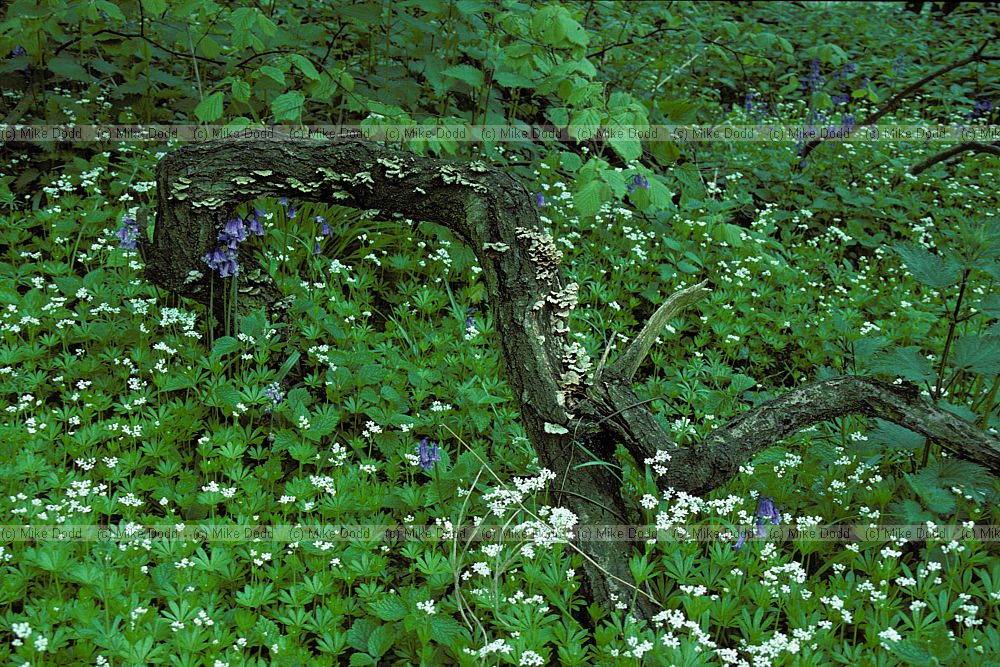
column 428, row 454
column 128, row 235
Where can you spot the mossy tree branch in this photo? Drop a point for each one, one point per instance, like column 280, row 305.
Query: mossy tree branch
column 200, row 186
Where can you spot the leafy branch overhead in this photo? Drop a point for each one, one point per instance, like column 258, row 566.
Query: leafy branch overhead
column 563, row 410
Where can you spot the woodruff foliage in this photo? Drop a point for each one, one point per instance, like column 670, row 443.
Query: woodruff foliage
column 825, row 263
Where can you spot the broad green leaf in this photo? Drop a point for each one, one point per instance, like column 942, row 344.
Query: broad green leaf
column 892, row 435
column 288, row 106
column 240, row 90
column 934, row 498
column 154, row 7
column 589, row 198
column 273, row 73
column 465, row 73
column 210, row 108
column 585, row 124
column 304, row 65
column 629, row 148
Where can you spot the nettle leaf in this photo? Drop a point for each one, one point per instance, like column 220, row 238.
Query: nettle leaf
column 895, row 436
column 223, row 346
column 927, row 486
column 979, row 354
column 154, row 7
column 910, row 512
column 447, row 630
column 210, row 108
column 512, row 80
column 912, row 653
column 971, row 478
column 740, row 382
column 465, row 73
column 67, row 67
column 990, row 305
column 380, row 641
column 629, row 148
column 389, row 608
column 905, row 362
column 358, row 635
column 288, row 106
column 928, row 268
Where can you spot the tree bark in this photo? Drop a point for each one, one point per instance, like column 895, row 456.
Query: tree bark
column 562, row 407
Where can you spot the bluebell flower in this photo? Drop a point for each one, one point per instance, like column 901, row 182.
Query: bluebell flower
column 223, row 260
column 638, row 182
column 979, row 109
column 128, row 235
column 899, row 67
column 539, row 199
column 316, row 248
column 254, row 226
column 283, row 201
column 741, row 541
column 428, row 454
column 766, row 511
column 291, row 212
column 324, row 227
column 274, row 393
column 233, row 233
column 469, row 320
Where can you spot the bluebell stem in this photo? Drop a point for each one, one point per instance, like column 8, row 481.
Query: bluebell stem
column 428, row 454
column 128, row 234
